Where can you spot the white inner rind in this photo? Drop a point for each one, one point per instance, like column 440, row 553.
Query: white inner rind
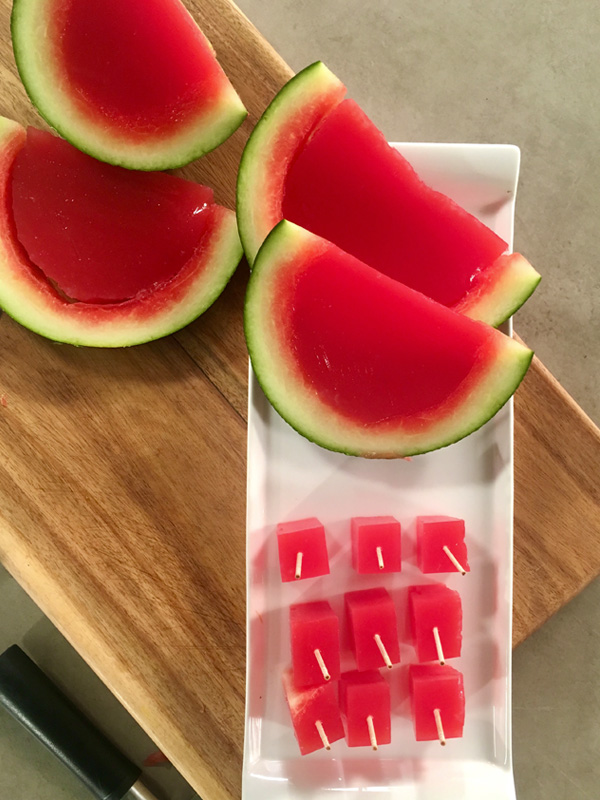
column 264, row 165
column 47, row 87
column 299, row 403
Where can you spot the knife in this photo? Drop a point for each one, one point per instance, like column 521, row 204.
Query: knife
column 38, row 704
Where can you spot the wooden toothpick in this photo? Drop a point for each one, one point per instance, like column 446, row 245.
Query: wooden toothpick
column 439, row 726
column 454, row 560
column 322, row 665
column 383, row 651
column 298, row 573
column 372, row 737
column 380, row 558
column 438, row 647
column 322, row 734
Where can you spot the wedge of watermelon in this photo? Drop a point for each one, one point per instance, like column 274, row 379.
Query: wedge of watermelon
column 317, row 160
column 93, row 254
column 360, row 363
column 132, row 82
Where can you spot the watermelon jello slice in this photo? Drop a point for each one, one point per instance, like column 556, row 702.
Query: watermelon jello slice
column 360, row 363
column 317, row 160
column 97, row 255
column 133, row 82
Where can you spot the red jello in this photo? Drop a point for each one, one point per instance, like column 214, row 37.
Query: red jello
column 433, row 535
column 302, row 549
column 315, row 641
column 100, row 233
column 373, row 628
column 365, row 705
column 138, row 66
column 376, row 545
column 436, row 688
column 435, row 607
column 347, row 185
column 315, row 714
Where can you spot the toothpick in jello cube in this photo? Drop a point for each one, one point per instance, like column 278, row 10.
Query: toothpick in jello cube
column 437, row 699
column 376, row 545
column 315, row 643
column 373, row 628
column 436, row 622
column 315, row 714
column 441, row 545
column 302, row 549
column 365, row 706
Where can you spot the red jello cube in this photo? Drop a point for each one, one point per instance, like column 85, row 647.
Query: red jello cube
column 433, row 687
column 373, row 628
column 439, row 607
column 435, row 533
column 307, row 538
column 365, row 704
column 315, row 640
column 315, row 714
column 376, row 545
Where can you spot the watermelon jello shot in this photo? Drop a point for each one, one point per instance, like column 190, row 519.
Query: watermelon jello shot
column 437, row 699
column 315, row 714
column 436, row 622
column 376, row 545
column 441, row 545
column 373, row 628
column 365, row 706
column 315, row 643
column 302, row 549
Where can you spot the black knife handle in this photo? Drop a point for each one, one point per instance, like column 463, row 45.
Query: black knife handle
column 33, row 700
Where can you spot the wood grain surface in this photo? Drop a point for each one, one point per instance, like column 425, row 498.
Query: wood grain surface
column 122, row 483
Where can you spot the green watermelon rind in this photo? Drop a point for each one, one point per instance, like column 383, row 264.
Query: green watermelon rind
column 320, row 424
column 496, row 307
column 256, row 171
column 112, row 335
column 54, row 105
column 31, row 301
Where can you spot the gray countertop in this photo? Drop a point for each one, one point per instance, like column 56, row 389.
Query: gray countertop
column 461, row 71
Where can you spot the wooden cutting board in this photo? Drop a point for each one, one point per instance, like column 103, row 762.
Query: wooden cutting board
column 122, row 483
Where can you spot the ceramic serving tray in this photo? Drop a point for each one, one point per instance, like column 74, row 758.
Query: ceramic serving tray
column 290, row 478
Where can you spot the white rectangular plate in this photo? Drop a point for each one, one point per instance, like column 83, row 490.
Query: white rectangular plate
column 290, row 478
